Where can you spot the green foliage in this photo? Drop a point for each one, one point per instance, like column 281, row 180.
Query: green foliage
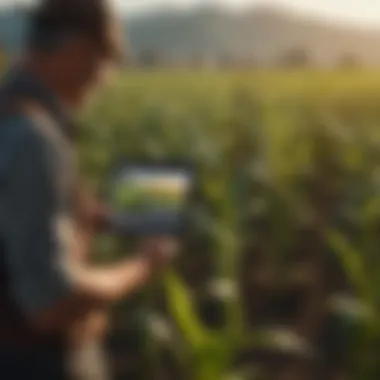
column 281, row 157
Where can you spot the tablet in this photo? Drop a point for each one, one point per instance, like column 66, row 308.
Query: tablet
column 150, row 198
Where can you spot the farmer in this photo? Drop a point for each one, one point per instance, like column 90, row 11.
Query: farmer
column 52, row 300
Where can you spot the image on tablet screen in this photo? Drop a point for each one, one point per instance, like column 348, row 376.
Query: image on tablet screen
column 145, row 190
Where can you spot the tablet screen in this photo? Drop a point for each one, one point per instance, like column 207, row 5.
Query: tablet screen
column 147, row 196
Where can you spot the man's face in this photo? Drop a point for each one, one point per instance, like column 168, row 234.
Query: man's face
column 85, row 68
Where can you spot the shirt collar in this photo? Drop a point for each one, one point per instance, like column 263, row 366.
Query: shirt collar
column 21, row 83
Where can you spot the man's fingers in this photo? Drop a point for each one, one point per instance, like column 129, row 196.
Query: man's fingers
column 164, row 247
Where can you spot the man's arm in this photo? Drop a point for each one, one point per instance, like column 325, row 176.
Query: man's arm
column 92, row 288
column 52, row 291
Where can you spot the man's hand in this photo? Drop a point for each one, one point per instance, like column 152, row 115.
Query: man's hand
column 92, row 214
column 100, row 217
column 159, row 251
column 92, row 327
column 94, row 287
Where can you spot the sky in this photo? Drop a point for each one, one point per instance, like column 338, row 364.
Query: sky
column 361, row 12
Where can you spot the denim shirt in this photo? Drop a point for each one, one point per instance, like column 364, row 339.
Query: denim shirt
column 34, row 215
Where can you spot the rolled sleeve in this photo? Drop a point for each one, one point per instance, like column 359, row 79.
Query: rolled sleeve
column 35, row 244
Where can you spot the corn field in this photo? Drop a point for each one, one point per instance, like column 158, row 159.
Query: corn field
column 280, row 275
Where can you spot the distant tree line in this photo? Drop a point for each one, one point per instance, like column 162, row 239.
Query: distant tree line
column 297, row 57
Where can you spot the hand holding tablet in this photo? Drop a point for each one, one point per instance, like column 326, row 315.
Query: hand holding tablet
column 159, row 251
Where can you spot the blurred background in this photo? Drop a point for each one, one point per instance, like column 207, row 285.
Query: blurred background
column 278, row 103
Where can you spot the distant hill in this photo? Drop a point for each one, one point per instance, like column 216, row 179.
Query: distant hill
column 261, row 33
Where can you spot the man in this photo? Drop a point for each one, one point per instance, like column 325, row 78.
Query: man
column 47, row 287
